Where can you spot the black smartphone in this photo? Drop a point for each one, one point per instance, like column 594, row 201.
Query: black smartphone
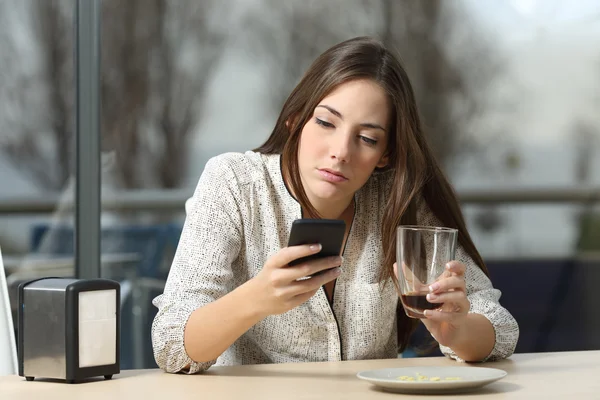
column 328, row 232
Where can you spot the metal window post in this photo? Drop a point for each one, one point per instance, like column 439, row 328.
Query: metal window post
column 87, row 166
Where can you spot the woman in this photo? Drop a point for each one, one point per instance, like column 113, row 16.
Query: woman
column 347, row 145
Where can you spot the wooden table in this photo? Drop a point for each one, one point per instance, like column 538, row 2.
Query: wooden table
column 568, row 375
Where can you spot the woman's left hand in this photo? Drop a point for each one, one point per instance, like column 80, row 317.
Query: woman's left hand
column 444, row 323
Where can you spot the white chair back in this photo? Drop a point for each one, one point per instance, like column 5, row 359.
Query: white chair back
column 8, row 346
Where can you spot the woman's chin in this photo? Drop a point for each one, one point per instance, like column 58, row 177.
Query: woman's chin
column 330, row 194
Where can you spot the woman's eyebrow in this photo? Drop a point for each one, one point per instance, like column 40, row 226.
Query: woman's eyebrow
column 340, row 116
column 332, row 110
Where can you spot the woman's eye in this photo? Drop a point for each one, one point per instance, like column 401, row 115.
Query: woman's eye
column 368, row 140
column 323, row 123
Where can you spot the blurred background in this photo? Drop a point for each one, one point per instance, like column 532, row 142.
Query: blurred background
column 508, row 90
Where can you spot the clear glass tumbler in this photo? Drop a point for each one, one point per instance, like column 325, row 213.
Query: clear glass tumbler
column 422, row 253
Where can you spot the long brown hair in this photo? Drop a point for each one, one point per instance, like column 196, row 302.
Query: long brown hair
column 416, row 173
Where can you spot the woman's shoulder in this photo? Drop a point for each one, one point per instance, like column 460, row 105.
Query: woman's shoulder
column 380, row 182
column 239, row 167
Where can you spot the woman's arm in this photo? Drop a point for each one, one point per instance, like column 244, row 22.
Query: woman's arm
column 485, row 302
column 476, row 338
column 487, row 331
column 204, row 308
column 211, row 329
column 201, row 271
column 470, row 336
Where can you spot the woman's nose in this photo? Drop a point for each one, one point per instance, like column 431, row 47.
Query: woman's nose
column 341, row 148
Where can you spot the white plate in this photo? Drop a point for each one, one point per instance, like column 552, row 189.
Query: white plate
column 425, row 379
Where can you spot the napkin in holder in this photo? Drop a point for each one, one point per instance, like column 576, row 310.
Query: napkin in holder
column 69, row 329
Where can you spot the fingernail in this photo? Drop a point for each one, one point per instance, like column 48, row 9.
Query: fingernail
column 434, row 287
column 315, row 246
column 337, row 271
column 448, row 266
column 431, row 296
column 427, row 313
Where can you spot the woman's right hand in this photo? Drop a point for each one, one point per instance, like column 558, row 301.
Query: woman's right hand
column 277, row 286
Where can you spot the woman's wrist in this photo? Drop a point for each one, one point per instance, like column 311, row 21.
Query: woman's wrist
column 475, row 338
column 252, row 293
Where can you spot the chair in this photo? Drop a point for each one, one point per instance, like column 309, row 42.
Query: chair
column 8, row 346
column 553, row 300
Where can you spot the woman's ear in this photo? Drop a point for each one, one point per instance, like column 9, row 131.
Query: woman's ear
column 383, row 161
column 291, row 122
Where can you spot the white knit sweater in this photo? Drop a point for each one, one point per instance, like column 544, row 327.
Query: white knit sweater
column 241, row 214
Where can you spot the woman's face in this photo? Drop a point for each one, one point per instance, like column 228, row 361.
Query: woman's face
column 344, row 141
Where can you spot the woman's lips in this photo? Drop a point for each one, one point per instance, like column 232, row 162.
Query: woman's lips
column 332, row 176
